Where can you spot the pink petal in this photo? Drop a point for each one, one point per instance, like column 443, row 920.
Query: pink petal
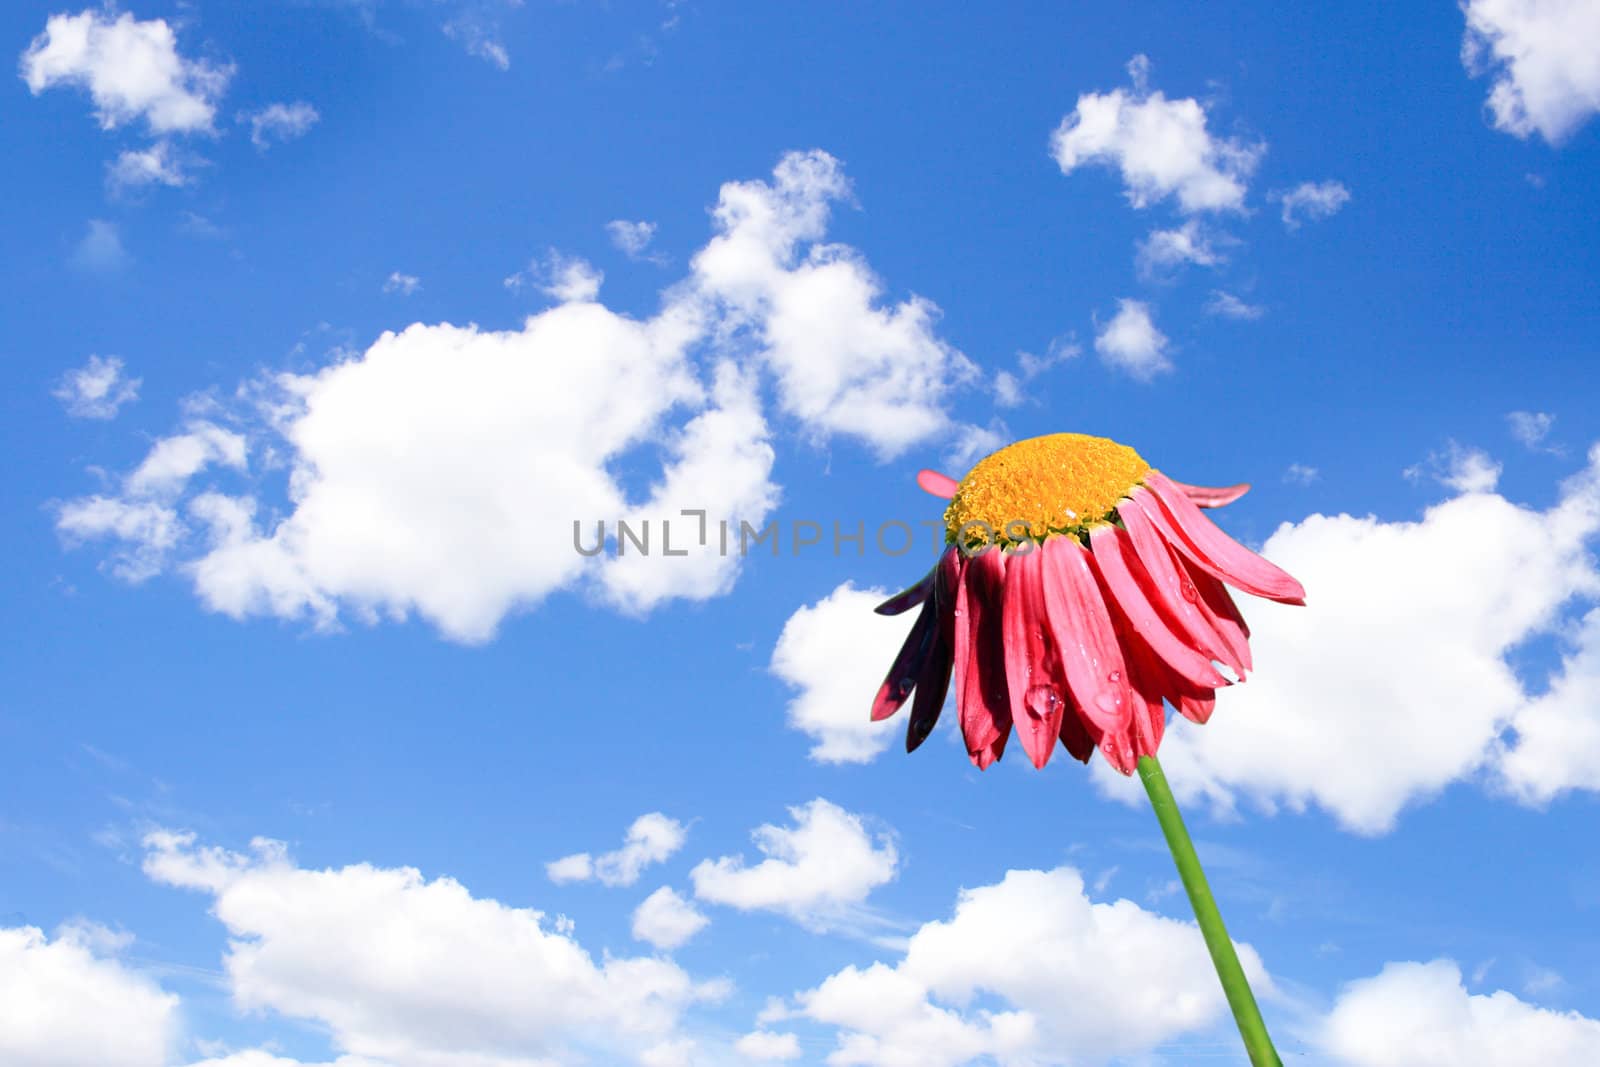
column 1197, row 709
column 908, row 665
column 1037, row 699
column 979, row 651
column 1199, row 538
column 907, row 598
column 1081, row 629
column 1206, row 497
column 1172, row 593
column 987, row 757
column 1220, row 611
column 940, row 485
column 1118, row 566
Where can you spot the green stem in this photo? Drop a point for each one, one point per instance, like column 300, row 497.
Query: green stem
column 1234, row 983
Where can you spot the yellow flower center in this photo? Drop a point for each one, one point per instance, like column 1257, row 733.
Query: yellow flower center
column 1059, row 483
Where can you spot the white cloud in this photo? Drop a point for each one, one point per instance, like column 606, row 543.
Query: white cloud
column 1161, row 147
column 1165, row 250
column 1545, row 64
column 1420, row 1015
column 404, row 284
column 146, row 532
column 64, row 1003
column 1231, row 307
column 816, row 872
column 1010, row 387
column 172, row 461
column 567, row 279
column 1131, row 342
column 666, row 920
column 1300, row 474
column 156, row 165
column 652, row 838
column 98, row 389
column 1394, row 680
column 1530, row 427
column 1462, row 468
column 1028, row 970
column 477, row 28
column 1557, row 746
column 835, row 653
column 477, row 982
column 280, row 122
column 631, row 237
column 100, row 249
column 131, row 69
column 439, row 471
column 844, row 365
column 766, row 1045
column 1311, row 201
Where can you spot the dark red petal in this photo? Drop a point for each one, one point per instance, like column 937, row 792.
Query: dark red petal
column 1078, row 736
column 979, row 651
column 932, row 687
column 907, row 599
column 940, row 485
column 1202, row 541
column 908, row 665
column 987, row 757
column 1082, row 632
column 1037, row 701
column 1203, row 496
column 1125, row 580
column 1173, row 593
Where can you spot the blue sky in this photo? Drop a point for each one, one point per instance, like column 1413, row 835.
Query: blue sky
column 321, row 745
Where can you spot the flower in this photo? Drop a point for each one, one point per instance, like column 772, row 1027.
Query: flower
column 1080, row 588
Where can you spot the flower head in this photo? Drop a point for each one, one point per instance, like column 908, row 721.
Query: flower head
column 1080, row 591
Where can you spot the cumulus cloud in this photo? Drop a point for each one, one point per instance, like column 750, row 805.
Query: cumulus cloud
column 404, row 284
column 280, row 122
column 568, row 279
column 631, row 237
column 485, row 983
column 834, row 654
column 817, row 872
column 130, row 68
column 64, row 1001
column 1229, row 306
column 1421, row 1015
column 1028, row 970
column 1165, row 250
column 1161, row 147
column 845, row 364
column 1530, row 427
column 1131, row 342
column 98, row 389
column 652, row 838
column 1545, row 67
column 666, row 920
column 1311, row 201
column 100, row 249
column 485, row 446
column 767, row 1045
column 1460, row 467
column 137, row 168
column 1394, row 680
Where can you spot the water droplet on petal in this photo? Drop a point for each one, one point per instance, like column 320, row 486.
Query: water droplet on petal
column 1042, row 702
column 1114, row 677
column 1107, row 702
column 1190, row 593
column 906, row 685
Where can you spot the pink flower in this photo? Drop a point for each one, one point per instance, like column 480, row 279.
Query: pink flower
column 1080, row 590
